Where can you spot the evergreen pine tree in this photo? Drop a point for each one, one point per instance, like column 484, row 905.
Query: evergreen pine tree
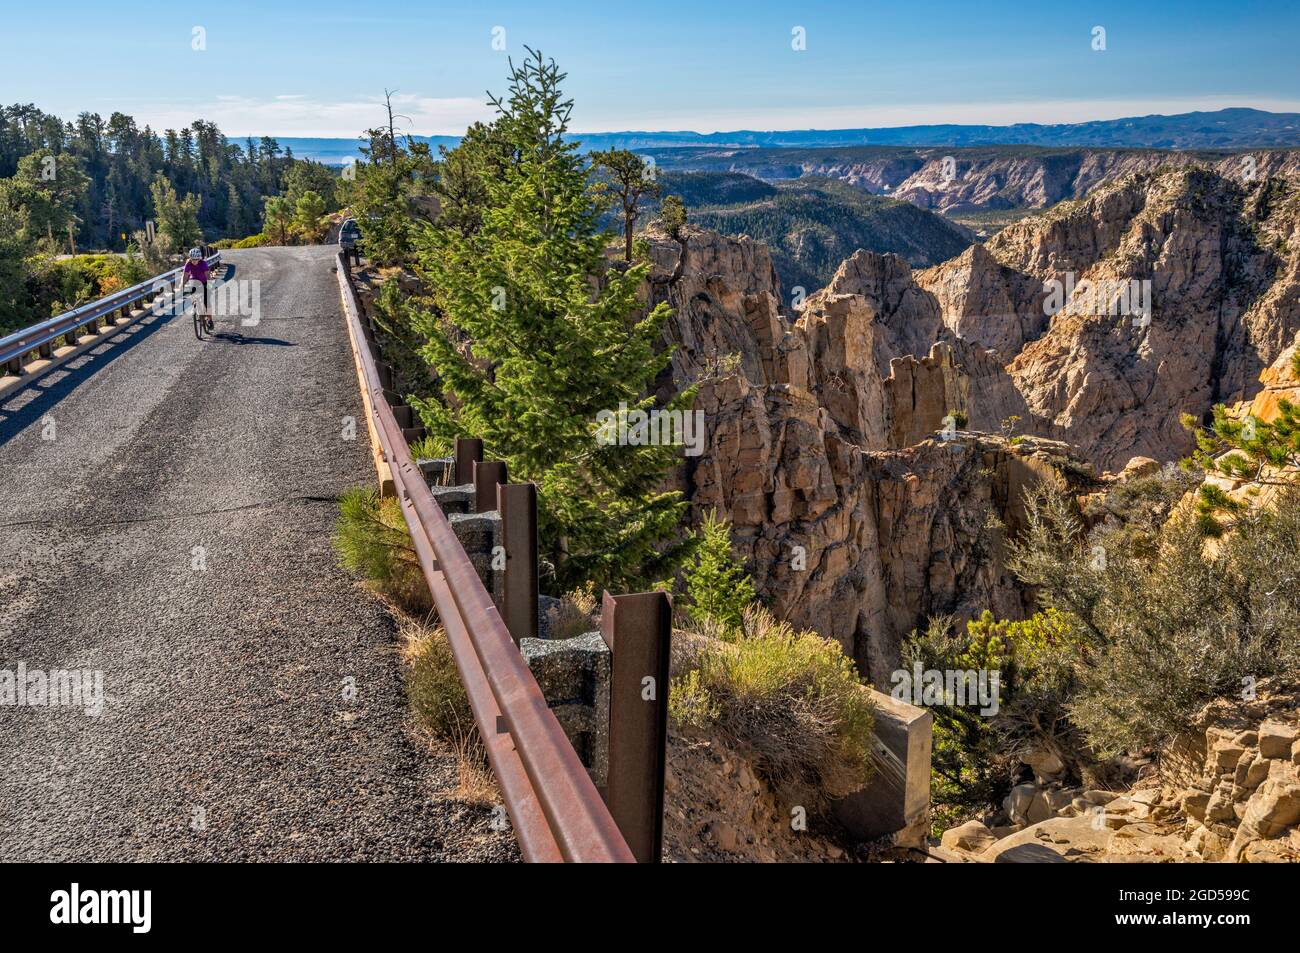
column 1252, row 451
column 533, row 334
column 177, row 219
column 717, row 586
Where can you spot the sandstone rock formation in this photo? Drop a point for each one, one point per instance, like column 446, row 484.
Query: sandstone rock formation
column 823, row 422
column 1223, row 276
column 853, row 516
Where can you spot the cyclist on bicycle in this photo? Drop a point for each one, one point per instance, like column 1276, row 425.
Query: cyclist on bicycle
column 196, row 271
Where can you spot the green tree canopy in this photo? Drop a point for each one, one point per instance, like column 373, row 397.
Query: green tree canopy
column 177, row 220
column 278, row 214
column 533, row 336
column 626, row 179
column 307, row 214
column 49, row 186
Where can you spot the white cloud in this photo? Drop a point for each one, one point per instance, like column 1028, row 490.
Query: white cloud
column 291, row 114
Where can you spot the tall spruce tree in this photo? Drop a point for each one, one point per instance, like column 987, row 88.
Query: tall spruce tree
column 533, row 334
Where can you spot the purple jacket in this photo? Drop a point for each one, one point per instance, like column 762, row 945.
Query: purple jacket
column 196, row 271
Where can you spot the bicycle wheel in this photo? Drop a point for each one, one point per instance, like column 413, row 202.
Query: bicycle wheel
column 199, row 323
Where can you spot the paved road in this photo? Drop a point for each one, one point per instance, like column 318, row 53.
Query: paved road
column 226, row 732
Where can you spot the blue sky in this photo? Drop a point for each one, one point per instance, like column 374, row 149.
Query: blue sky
column 320, row 68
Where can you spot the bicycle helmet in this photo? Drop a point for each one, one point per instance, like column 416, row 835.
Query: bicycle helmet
column 195, row 254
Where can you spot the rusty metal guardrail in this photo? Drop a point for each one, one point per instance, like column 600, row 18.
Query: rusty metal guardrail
column 40, row 338
column 557, row 812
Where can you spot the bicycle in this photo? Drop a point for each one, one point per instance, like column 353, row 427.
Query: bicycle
column 202, row 317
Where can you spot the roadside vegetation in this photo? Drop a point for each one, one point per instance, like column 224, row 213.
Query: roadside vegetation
column 789, row 700
column 372, row 540
column 528, row 330
column 66, row 187
column 517, row 316
column 440, row 706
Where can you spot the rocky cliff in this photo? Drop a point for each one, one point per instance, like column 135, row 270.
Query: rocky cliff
column 853, row 515
column 859, row 504
column 1218, row 270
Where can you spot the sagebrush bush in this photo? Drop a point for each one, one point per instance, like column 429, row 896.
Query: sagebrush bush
column 791, row 700
column 372, row 539
column 1163, row 632
column 690, row 703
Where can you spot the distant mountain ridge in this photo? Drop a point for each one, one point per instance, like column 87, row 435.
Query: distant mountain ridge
column 1236, row 128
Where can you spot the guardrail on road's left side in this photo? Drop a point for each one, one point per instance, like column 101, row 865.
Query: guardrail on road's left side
column 30, row 353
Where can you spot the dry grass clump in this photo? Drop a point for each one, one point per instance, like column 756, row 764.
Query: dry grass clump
column 372, row 539
column 575, row 614
column 441, row 708
column 791, row 700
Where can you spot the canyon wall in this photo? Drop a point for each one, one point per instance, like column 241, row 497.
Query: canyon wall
column 1221, row 268
column 860, row 507
column 853, row 517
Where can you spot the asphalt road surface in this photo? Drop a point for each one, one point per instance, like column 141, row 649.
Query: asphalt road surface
column 166, row 508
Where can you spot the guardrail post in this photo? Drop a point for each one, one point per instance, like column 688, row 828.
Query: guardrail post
column 469, row 450
column 638, row 630
column 517, row 504
column 487, row 474
column 15, row 366
column 46, row 351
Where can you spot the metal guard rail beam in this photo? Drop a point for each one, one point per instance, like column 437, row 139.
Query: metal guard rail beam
column 15, row 345
column 556, row 810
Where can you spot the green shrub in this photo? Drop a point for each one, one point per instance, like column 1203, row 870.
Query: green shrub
column 1162, row 630
column 974, row 760
column 254, row 241
column 251, row 241
column 131, row 269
